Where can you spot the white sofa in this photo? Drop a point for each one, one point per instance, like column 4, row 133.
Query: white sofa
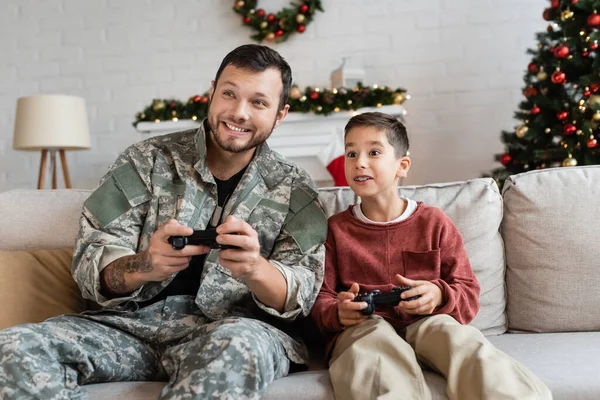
column 534, row 250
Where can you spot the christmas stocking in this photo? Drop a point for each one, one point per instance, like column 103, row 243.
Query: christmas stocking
column 332, row 158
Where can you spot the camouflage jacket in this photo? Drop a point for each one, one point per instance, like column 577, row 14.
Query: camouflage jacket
column 167, row 177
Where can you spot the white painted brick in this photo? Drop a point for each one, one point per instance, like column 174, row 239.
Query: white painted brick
column 462, row 61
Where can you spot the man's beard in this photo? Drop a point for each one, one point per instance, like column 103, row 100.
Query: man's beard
column 231, row 146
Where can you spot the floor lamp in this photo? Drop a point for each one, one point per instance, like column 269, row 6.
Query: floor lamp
column 51, row 124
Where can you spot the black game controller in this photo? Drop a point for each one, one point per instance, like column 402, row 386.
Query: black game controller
column 376, row 298
column 206, row 237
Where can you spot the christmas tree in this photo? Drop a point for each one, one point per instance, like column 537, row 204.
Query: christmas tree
column 560, row 116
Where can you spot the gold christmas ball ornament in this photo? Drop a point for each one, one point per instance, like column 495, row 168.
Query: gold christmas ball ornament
column 264, row 24
column 239, row 4
column 270, row 36
column 295, row 93
column 569, row 162
column 542, row 76
column 300, row 18
column 158, row 105
column 547, row 130
column 521, row 131
column 596, row 116
column 594, row 101
column 399, row 98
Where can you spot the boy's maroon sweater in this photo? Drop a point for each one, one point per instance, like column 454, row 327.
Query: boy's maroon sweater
column 425, row 246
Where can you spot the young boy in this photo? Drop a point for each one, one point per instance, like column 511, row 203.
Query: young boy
column 387, row 241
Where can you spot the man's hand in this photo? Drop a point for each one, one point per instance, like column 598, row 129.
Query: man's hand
column 264, row 280
column 348, row 311
column 155, row 264
column 245, row 261
column 431, row 296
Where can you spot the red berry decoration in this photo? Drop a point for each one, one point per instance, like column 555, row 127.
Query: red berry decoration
column 594, row 20
column 594, row 46
column 535, row 110
column 558, row 77
column 533, row 68
column 562, row 115
column 260, row 12
column 303, row 8
column 591, row 143
column 246, row 20
column 505, row 159
column 301, row 28
column 570, row 129
column 561, row 51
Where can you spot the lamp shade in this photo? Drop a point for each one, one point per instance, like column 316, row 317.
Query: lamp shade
column 51, row 121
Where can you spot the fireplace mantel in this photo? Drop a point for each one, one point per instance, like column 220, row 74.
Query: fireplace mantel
column 300, row 137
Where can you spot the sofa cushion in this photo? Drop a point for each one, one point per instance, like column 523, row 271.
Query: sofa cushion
column 550, row 230
column 40, row 219
column 37, row 285
column 475, row 207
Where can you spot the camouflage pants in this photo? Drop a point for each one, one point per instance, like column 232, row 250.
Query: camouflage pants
column 233, row 358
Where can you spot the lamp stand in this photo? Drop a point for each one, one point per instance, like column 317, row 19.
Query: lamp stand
column 65, row 168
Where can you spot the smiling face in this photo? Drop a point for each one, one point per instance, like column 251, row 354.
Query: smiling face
column 370, row 164
column 243, row 110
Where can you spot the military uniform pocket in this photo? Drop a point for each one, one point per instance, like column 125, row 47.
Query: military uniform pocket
column 422, row 265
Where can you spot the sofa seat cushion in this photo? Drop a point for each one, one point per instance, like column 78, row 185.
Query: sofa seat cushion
column 37, row 285
column 567, row 362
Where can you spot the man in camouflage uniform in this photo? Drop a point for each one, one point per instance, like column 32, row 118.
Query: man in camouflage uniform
column 211, row 322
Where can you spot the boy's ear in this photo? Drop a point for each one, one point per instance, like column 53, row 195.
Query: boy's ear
column 403, row 167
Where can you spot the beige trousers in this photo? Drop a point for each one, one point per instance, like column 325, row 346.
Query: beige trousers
column 371, row 361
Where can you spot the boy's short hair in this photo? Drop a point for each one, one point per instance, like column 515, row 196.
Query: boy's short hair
column 395, row 130
column 257, row 58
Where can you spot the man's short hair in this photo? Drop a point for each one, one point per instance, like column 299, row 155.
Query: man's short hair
column 394, row 129
column 258, row 58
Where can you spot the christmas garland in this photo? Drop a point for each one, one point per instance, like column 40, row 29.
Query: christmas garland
column 279, row 26
column 311, row 100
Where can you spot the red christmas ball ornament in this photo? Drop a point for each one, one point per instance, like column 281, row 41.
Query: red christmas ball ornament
column 591, row 143
column 172, row 104
column 547, row 14
column 505, row 159
column 270, row 18
column 558, row 77
column 594, row 46
column 570, row 129
column 303, row 8
column 562, row 115
column 533, row 68
column 586, row 93
column 535, row 110
column 594, row 20
column 203, row 99
column 554, row 3
column 530, row 91
column 585, row 53
column 314, row 95
column 301, row 28
column 574, row 1
column 551, row 49
column 260, row 12
column 561, row 51
column 279, row 33
column 246, row 20
column 594, row 87
column 197, row 98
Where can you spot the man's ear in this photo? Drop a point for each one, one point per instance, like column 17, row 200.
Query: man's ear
column 212, row 89
column 281, row 114
column 403, row 167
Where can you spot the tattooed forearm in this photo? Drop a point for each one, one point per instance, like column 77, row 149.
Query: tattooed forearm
column 113, row 280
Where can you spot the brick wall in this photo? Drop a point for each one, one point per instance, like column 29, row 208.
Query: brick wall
column 461, row 60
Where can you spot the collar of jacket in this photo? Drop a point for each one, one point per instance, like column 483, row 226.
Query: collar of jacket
column 266, row 161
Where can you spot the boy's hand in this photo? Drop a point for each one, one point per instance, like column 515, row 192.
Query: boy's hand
column 431, row 296
column 348, row 311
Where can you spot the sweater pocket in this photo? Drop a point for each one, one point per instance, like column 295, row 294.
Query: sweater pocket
column 422, row 265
